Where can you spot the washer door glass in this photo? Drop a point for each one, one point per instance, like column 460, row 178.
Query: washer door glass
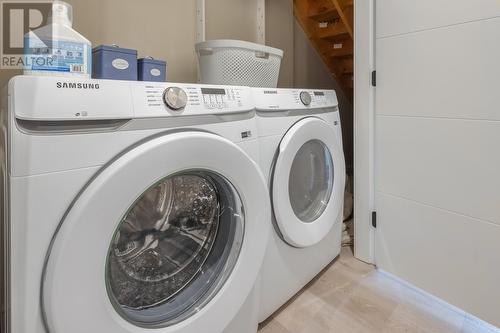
column 174, row 248
column 311, row 181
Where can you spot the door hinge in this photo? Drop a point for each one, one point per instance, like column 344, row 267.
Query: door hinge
column 374, row 78
column 374, row 219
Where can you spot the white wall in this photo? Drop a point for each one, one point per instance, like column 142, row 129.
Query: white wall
column 164, row 29
column 280, row 33
column 437, row 138
column 231, row 19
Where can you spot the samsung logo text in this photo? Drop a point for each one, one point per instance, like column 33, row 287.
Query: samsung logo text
column 77, row 85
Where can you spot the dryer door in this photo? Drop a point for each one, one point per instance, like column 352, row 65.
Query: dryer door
column 169, row 237
column 308, row 182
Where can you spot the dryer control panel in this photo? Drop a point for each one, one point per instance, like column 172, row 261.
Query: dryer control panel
column 293, row 99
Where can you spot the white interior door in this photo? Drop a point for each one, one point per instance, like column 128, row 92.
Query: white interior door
column 437, row 183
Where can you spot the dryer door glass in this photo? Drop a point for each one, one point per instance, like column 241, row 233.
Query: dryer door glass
column 174, row 248
column 311, row 181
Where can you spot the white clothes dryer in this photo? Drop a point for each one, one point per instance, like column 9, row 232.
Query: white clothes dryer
column 130, row 207
column 301, row 154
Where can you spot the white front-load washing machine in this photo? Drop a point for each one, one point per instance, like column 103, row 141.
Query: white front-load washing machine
column 130, row 207
column 302, row 156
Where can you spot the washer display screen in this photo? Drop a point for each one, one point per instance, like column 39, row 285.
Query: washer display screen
column 213, row 91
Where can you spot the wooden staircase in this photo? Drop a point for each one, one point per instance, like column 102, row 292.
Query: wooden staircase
column 329, row 26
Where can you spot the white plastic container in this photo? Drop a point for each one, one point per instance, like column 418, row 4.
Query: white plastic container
column 56, row 49
column 235, row 62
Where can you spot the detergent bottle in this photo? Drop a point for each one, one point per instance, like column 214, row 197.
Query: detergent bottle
column 56, row 49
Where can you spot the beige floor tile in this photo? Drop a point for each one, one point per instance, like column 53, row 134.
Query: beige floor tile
column 299, row 315
column 407, row 319
column 352, row 297
column 364, row 311
column 273, row 326
column 334, row 290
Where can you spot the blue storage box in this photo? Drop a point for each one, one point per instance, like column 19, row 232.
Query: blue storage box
column 150, row 69
column 114, row 63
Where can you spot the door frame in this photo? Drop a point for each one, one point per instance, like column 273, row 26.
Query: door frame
column 364, row 127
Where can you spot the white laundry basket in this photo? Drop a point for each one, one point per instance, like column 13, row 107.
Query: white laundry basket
column 235, row 62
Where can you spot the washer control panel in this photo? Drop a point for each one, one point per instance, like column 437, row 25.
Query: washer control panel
column 114, row 99
column 220, row 98
column 293, row 99
column 161, row 99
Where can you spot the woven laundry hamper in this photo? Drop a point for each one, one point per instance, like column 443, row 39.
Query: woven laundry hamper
column 235, row 62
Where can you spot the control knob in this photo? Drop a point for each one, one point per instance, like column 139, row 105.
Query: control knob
column 305, row 98
column 175, row 98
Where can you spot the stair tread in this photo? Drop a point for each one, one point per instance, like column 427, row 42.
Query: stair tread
column 345, row 49
column 340, row 53
column 326, row 15
column 338, row 33
column 347, row 3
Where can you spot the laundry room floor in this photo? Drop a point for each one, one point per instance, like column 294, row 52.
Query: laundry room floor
column 351, row 296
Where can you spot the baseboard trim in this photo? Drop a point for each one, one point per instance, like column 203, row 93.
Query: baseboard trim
column 473, row 319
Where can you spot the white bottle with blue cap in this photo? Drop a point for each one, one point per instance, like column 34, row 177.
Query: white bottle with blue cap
column 56, row 49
